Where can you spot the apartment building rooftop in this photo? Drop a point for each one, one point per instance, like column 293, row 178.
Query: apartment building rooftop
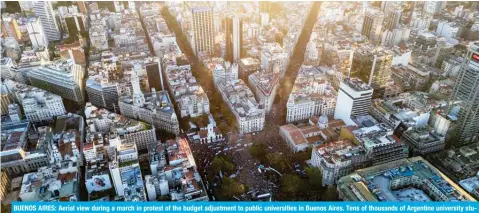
column 23, row 92
column 423, row 135
column 311, row 84
column 339, row 151
column 271, row 49
column 13, row 135
column 61, row 65
column 411, row 108
column 118, row 124
column 99, row 81
column 461, row 161
column 367, row 49
column 373, row 134
column 471, row 185
column 158, row 102
column 265, row 82
column 391, row 182
column 50, row 184
column 132, row 183
column 240, row 98
column 250, row 61
column 301, row 135
column 186, row 180
column 357, row 85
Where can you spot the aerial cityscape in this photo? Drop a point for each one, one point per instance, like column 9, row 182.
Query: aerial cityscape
column 239, row 101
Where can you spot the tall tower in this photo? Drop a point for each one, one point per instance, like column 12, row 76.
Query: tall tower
column 138, row 97
column 372, row 25
column 237, row 37
column 354, row 99
column 233, row 31
column 373, row 66
column 203, row 30
column 153, row 71
column 36, row 32
column 393, row 16
column 466, row 91
column 44, row 10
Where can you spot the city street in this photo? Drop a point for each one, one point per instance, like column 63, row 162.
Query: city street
column 247, row 173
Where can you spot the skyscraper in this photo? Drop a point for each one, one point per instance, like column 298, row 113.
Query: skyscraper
column 44, row 10
column 237, row 38
column 102, row 93
column 36, row 33
column 10, row 27
column 265, row 6
column 203, row 30
column 234, row 36
column 354, row 99
column 434, row 7
column 466, row 90
column 373, row 66
column 393, row 16
column 153, row 71
column 372, row 25
column 63, row 78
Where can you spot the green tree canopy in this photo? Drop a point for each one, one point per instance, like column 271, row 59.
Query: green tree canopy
column 230, row 188
column 277, row 161
column 291, row 183
column 258, row 151
column 314, row 177
column 220, row 164
column 331, row 194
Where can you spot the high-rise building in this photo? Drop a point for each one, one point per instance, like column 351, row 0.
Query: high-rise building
column 248, row 66
column 203, row 30
column 249, row 114
column 153, row 71
column 372, row 25
column 393, row 16
column 264, row 18
column 373, row 66
column 434, row 7
column 36, row 32
column 465, row 91
column 312, row 94
column 19, row 157
column 117, row 127
column 154, row 108
column 63, row 78
column 82, row 7
column 354, row 99
column 44, row 10
column 337, row 158
column 126, row 174
column 264, row 85
column 5, row 99
column 7, row 65
column 225, row 72
column 265, row 6
column 186, row 92
column 102, row 93
column 234, row 37
column 72, row 20
column 10, row 27
column 38, row 105
column 4, row 184
column 274, row 58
